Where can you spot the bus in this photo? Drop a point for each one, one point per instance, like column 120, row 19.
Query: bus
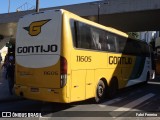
column 61, row 57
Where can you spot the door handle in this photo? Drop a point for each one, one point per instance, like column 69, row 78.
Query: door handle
column 89, row 83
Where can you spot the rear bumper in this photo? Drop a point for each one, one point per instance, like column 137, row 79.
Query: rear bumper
column 41, row 94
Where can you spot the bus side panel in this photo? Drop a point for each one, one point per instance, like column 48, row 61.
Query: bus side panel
column 90, row 84
column 127, row 69
column 138, row 67
column 120, row 66
column 88, row 67
column 140, row 70
column 82, row 67
column 78, row 85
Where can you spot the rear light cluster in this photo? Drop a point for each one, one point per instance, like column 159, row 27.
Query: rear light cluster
column 63, row 68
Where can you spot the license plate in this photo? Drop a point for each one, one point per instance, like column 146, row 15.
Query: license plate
column 34, row 89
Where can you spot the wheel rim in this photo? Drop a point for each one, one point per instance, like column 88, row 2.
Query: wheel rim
column 100, row 90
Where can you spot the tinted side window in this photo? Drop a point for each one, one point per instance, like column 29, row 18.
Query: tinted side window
column 128, row 48
column 111, row 42
column 137, row 48
column 83, row 36
column 108, row 41
column 145, row 50
column 121, row 42
column 89, row 37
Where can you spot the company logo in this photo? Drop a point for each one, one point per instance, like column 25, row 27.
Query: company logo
column 34, row 28
column 120, row 60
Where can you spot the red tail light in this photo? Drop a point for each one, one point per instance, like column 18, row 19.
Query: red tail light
column 63, row 68
column 63, row 65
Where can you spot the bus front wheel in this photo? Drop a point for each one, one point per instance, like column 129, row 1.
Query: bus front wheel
column 100, row 92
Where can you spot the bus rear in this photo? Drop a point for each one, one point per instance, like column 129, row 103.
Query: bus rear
column 38, row 47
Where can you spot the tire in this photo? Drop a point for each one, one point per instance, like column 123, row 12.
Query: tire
column 113, row 88
column 100, row 92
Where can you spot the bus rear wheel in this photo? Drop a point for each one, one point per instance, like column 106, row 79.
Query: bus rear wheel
column 100, row 92
column 113, row 88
